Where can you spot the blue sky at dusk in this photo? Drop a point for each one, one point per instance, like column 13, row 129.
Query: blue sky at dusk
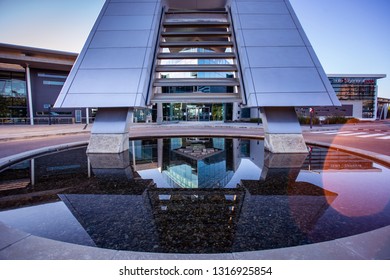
column 349, row 36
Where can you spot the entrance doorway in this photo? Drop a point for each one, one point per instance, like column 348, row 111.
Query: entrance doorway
column 197, row 113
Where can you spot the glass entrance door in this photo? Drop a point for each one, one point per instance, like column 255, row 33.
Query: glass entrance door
column 197, row 113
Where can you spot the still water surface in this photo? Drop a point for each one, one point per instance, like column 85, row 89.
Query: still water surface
column 195, row 195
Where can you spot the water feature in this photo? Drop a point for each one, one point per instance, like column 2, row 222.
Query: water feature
column 195, row 195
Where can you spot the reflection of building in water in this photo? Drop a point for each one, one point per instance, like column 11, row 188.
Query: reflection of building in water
column 272, row 212
column 199, row 164
column 40, row 179
column 321, row 159
column 196, row 220
column 187, row 162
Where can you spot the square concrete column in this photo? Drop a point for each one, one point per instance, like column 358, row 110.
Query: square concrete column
column 110, row 131
column 282, row 131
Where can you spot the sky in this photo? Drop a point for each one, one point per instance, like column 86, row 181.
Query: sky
column 349, row 36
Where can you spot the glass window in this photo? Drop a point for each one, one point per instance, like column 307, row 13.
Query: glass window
column 45, row 75
column 13, row 95
column 53, row 83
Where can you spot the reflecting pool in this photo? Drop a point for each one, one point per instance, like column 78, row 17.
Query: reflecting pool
column 195, row 195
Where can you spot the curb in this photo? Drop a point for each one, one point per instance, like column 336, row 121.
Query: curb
column 10, row 160
column 42, row 135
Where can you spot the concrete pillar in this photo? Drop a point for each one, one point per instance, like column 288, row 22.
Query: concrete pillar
column 32, row 172
column 29, row 95
column 159, row 113
column 235, row 116
column 160, row 153
column 87, row 115
column 282, row 131
column 111, row 166
column 110, row 131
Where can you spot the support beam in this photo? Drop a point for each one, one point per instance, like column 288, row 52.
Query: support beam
column 111, row 166
column 29, row 95
column 283, row 133
column 110, row 131
column 159, row 113
column 235, row 116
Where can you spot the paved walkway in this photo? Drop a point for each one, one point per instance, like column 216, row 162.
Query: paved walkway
column 15, row 244
column 17, row 132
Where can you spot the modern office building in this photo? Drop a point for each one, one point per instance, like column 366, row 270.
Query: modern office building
column 248, row 53
column 358, row 94
column 30, row 81
column 185, row 60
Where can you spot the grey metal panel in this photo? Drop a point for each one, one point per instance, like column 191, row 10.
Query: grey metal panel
column 252, row 100
column 267, row 37
column 100, row 100
column 260, row 21
column 115, row 54
column 294, row 80
column 279, row 57
column 280, row 120
column 288, row 99
column 111, row 120
column 129, row 8
column 262, row 7
column 113, row 58
column 249, row 84
column 106, row 81
column 143, row 85
column 126, row 23
column 120, row 39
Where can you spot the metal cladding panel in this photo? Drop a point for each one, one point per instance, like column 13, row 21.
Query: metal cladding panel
column 113, row 58
column 126, row 23
column 279, row 57
column 273, row 37
column 130, row 8
column 120, row 39
column 95, row 81
column 113, row 68
column 101, row 100
column 265, row 7
column 292, row 80
column 263, row 21
column 279, row 66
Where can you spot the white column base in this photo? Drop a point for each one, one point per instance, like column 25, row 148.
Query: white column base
column 285, row 143
column 108, row 143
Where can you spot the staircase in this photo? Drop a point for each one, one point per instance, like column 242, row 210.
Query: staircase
column 196, row 60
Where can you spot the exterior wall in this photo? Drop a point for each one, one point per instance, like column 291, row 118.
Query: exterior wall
column 46, row 86
column 113, row 69
column 279, row 65
column 357, row 105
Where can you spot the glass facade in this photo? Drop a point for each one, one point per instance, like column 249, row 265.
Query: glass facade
column 13, row 95
column 360, row 89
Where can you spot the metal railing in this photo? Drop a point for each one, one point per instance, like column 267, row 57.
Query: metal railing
column 43, row 120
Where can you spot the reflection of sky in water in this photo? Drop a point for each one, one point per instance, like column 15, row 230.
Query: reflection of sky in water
column 51, row 220
column 284, row 200
column 156, row 176
column 359, row 193
column 247, row 170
